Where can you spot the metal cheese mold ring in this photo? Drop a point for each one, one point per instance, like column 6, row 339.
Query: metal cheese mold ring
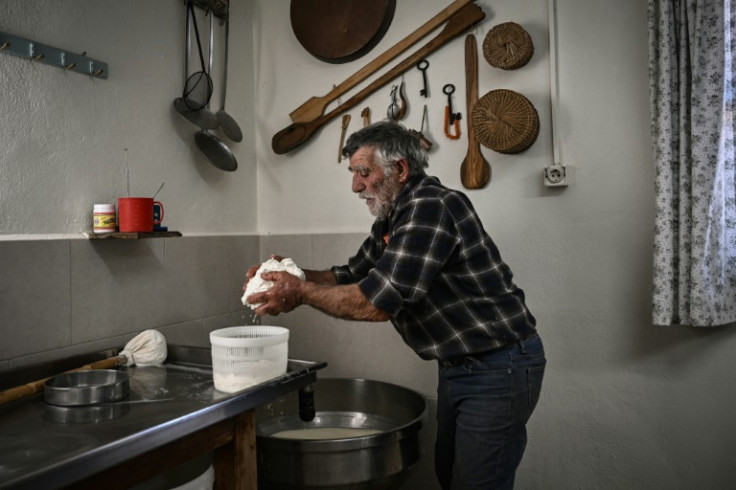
column 87, row 387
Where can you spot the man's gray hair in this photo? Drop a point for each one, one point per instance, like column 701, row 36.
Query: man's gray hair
column 391, row 142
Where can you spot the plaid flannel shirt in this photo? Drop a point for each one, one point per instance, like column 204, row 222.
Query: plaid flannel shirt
column 434, row 269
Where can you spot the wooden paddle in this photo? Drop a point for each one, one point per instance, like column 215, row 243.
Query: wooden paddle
column 296, row 134
column 475, row 171
column 315, row 106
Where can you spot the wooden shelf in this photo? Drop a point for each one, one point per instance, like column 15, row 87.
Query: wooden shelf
column 132, row 236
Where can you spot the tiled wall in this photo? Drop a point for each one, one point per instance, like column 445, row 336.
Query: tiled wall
column 59, row 298
column 64, row 297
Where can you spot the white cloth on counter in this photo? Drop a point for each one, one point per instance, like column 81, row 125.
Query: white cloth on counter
column 148, row 348
column 258, row 284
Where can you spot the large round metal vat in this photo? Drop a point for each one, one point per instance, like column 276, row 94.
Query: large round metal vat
column 380, row 460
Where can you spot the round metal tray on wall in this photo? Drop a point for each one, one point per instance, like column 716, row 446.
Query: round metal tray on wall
column 338, row 31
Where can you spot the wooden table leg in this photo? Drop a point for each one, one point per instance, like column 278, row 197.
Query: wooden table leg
column 235, row 462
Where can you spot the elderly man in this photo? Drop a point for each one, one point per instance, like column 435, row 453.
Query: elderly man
column 430, row 268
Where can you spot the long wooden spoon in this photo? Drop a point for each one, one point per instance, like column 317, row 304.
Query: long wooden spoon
column 475, row 171
column 315, row 106
column 298, row 133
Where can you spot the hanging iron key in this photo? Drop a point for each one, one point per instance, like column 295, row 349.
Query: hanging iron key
column 448, row 90
column 422, row 66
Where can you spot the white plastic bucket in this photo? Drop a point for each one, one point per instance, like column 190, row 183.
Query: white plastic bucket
column 245, row 356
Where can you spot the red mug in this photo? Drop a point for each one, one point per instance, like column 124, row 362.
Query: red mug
column 135, row 214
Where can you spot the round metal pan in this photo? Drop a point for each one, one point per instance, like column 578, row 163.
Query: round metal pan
column 338, row 31
column 87, row 387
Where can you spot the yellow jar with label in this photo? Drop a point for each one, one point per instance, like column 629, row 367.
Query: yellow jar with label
column 104, row 218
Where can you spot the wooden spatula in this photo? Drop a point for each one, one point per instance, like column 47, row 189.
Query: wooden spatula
column 475, row 171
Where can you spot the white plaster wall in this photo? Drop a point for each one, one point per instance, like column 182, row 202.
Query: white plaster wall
column 318, row 187
column 625, row 405
column 68, row 141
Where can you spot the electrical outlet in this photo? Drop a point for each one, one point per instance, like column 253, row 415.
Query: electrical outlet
column 555, row 176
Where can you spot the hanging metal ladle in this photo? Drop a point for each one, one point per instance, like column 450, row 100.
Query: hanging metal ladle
column 203, row 117
column 210, row 145
column 228, row 125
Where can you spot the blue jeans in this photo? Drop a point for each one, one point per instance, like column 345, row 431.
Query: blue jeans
column 483, row 405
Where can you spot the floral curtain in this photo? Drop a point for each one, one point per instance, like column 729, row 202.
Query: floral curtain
column 691, row 57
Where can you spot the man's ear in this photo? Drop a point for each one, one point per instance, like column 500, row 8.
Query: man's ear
column 402, row 166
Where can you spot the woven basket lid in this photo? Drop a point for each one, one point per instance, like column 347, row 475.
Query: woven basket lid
column 508, row 46
column 505, row 121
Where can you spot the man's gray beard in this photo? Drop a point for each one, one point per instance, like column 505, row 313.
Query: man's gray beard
column 384, row 199
column 382, row 209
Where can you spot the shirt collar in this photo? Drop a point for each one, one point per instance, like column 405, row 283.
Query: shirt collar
column 413, row 182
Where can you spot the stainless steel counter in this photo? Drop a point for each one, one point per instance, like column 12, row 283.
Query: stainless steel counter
column 43, row 446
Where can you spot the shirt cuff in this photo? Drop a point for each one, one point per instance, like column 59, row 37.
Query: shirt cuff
column 380, row 292
column 342, row 274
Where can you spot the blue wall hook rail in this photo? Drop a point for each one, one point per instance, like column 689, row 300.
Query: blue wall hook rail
column 42, row 53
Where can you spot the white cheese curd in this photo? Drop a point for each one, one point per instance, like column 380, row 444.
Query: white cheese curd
column 258, row 284
column 232, row 382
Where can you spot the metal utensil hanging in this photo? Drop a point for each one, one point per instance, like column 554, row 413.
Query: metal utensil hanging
column 199, row 87
column 203, row 117
column 210, row 145
column 228, row 125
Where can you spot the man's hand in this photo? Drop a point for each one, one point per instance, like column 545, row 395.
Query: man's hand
column 320, row 290
column 285, row 294
column 251, row 273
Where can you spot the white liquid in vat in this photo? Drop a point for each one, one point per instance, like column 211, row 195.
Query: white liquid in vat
column 325, row 433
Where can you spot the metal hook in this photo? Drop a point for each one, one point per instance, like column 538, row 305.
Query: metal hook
column 93, row 72
column 32, row 53
column 35, row 57
column 66, row 65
